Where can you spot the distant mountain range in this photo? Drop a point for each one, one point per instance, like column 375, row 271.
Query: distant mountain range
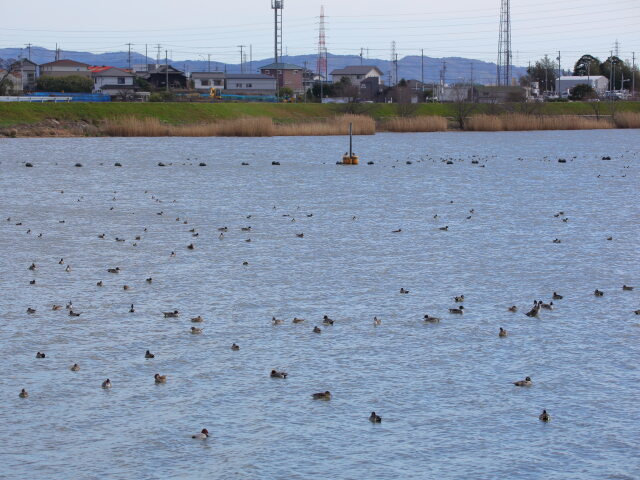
column 457, row 69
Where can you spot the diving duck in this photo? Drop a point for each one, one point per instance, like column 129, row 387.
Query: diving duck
column 524, row 383
column 322, row 395
column 276, row 374
column 375, row 418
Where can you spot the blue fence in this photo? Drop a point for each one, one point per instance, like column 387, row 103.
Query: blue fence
column 76, row 97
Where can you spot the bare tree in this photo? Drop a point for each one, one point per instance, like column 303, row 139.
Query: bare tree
column 6, row 85
column 462, row 108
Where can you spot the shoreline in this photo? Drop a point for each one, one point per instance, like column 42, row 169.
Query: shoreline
column 258, row 120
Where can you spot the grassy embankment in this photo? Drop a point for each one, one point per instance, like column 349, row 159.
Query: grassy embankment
column 256, row 119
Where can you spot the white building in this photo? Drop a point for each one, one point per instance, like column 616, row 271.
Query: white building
column 599, row 83
column 111, row 80
column 64, row 68
column 204, row 81
column 356, row 74
column 249, row 84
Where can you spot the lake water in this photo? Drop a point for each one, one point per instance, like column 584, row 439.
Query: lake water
column 444, row 390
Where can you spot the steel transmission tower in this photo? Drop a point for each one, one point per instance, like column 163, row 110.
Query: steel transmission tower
column 322, row 49
column 504, row 45
column 277, row 6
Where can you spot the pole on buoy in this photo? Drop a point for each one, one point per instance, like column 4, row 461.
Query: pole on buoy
column 350, row 140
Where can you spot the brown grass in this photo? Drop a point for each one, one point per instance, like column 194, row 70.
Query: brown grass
column 627, row 120
column 414, row 124
column 241, row 127
column 521, row 122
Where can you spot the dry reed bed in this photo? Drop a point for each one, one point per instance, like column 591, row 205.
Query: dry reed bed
column 627, row 120
column 241, row 127
column 414, row 124
column 521, row 122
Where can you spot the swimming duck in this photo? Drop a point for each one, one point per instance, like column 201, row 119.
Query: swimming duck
column 132, row 310
column 376, row 322
column 327, row 321
column 322, row 395
column 245, row 264
column 149, row 280
column 402, row 290
column 430, row 319
column 160, row 378
column 534, row 311
column 459, row 299
column 197, row 319
column 246, row 229
column 557, row 297
column 74, row 314
column 203, row 435
column 637, row 312
column 524, row 383
column 40, row 355
column 32, row 266
column 503, row 332
column 196, row 331
column 223, row 229
column 457, row 311
column 300, row 235
column 276, row 321
column 375, row 418
column 444, row 229
column 106, row 384
column 148, row 354
column 23, row 394
column 173, row 314
column 397, row 231
column 513, row 308
column 32, row 282
column 68, row 269
column 173, row 254
column 191, row 246
column 56, row 307
column 75, row 367
column 102, row 235
column 126, row 287
column 113, row 270
column 626, row 288
column 316, row 329
column 99, row 284
column 276, row 374
column 598, row 293
column 546, row 306
column 61, row 262
column 544, row 416
column 31, row 310
column 221, row 236
column 235, row 347
column 298, row 320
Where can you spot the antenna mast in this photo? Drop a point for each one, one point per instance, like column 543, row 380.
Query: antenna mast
column 322, row 49
column 277, row 6
column 504, row 45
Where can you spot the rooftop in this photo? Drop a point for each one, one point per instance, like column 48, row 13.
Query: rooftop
column 109, row 72
column 356, row 70
column 256, row 76
column 281, row 66
column 64, row 63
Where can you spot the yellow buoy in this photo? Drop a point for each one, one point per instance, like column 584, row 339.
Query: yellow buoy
column 350, row 158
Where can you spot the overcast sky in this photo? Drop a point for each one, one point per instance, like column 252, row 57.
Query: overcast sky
column 193, row 29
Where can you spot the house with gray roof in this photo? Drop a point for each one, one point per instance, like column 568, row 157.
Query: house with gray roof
column 356, row 74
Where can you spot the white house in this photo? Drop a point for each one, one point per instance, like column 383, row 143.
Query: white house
column 356, row 74
column 599, row 83
column 204, row 81
column 111, row 80
column 249, row 84
column 64, row 68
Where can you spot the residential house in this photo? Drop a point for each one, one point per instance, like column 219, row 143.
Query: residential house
column 287, row 75
column 370, row 89
column 356, row 74
column 599, row 83
column 112, row 81
column 65, row 68
column 203, row 82
column 157, row 76
column 249, row 84
column 28, row 73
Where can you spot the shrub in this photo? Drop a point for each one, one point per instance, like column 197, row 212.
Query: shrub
column 69, row 84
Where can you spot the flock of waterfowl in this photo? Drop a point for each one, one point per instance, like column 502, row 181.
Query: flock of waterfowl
column 459, row 308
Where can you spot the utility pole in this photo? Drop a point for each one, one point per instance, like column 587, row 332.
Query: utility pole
column 158, row 58
column 396, row 66
column 251, row 58
column 146, row 58
column 422, row 69
column 209, row 62
column 633, row 75
column 241, row 47
column 129, row 56
column 559, row 75
column 29, row 50
column 166, row 67
column 361, row 53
